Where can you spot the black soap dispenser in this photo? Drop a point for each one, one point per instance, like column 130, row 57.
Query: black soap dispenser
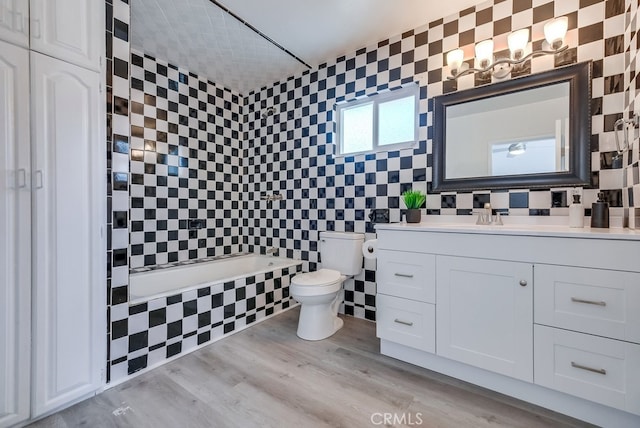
column 600, row 212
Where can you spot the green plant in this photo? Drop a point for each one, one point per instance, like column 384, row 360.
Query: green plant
column 414, row 199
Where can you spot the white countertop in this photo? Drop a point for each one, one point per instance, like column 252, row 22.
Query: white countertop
column 520, row 226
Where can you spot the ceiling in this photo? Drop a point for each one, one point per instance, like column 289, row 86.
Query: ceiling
column 207, row 40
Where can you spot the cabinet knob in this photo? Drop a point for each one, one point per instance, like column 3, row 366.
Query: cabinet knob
column 523, row 282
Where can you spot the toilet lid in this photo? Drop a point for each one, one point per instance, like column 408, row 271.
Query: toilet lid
column 318, row 278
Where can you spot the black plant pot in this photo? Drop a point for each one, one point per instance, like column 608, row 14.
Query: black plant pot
column 413, row 216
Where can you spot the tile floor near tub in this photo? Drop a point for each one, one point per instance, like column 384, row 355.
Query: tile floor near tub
column 266, row 377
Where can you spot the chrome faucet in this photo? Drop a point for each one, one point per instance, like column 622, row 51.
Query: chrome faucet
column 486, row 217
column 272, row 250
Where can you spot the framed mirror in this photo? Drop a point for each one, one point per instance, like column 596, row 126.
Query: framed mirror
column 527, row 132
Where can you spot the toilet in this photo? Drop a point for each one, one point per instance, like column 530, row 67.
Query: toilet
column 320, row 293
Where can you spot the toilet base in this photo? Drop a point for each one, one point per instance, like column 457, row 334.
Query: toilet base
column 319, row 321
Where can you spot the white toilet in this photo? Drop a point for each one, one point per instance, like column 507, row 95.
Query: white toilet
column 320, row 292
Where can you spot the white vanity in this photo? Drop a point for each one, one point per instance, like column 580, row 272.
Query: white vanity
column 546, row 314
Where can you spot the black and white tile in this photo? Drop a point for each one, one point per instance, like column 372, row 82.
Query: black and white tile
column 117, row 124
column 185, row 165
column 143, row 335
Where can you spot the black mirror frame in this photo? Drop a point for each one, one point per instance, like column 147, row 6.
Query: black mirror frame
column 579, row 174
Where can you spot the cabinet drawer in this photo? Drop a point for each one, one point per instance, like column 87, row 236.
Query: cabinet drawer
column 407, row 275
column 603, row 370
column 406, row 322
column 588, row 300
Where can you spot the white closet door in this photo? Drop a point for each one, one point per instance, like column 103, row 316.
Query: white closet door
column 15, row 235
column 69, row 221
column 14, row 22
column 70, row 30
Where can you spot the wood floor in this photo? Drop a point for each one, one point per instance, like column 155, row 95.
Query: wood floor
column 266, row 377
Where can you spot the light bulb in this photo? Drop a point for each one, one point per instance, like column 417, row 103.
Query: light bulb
column 484, row 53
column 555, row 30
column 454, row 59
column 518, row 41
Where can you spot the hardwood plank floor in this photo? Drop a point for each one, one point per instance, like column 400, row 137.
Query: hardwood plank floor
column 266, row 376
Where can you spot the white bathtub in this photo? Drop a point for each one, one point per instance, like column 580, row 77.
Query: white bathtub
column 157, row 283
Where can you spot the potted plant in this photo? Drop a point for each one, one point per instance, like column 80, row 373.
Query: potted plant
column 413, row 199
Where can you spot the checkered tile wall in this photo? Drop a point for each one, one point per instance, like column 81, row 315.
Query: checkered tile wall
column 185, row 165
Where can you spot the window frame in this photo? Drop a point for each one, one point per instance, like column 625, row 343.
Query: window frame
column 377, row 99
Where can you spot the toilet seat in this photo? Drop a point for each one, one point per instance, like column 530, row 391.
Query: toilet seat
column 320, row 282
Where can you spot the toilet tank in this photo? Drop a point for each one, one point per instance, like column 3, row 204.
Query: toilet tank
column 342, row 251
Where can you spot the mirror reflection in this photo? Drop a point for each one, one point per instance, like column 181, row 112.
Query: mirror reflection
column 518, row 133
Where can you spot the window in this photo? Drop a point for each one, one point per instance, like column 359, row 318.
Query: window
column 387, row 121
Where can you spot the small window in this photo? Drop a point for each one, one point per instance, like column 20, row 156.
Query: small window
column 387, row 121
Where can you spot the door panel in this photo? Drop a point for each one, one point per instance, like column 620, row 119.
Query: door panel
column 65, row 29
column 68, row 216
column 15, row 235
column 484, row 316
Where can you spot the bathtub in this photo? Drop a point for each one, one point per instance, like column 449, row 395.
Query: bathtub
column 145, row 286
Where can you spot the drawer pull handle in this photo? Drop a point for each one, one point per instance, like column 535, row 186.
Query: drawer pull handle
column 589, row 369
column 404, row 275
column 22, row 178
column 39, row 179
column 403, row 322
column 589, row 302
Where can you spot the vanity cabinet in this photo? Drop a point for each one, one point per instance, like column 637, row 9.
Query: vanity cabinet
column 548, row 316
column 483, row 314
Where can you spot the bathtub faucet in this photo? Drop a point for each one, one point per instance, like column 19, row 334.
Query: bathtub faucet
column 273, row 251
column 272, row 197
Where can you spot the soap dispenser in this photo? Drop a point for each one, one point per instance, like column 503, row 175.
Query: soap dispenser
column 576, row 212
column 600, row 212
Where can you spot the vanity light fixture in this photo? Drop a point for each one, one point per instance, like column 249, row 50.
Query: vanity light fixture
column 554, row 33
column 516, row 149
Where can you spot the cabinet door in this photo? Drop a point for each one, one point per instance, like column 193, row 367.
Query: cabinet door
column 69, row 220
column 70, row 30
column 15, row 235
column 14, row 22
column 484, row 314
